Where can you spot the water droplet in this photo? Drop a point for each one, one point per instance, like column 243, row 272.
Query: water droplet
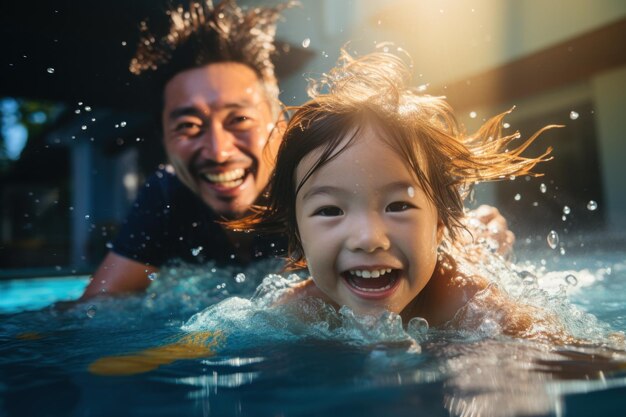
column 411, row 192
column 566, row 210
column 592, row 205
column 553, row 239
column 240, row 277
column 50, row 70
column 573, row 115
column 306, row 42
column 571, row 280
column 91, row 311
column 152, row 276
column 543, row 188
column 517, row 197
column 473, row 114
column 196, row 251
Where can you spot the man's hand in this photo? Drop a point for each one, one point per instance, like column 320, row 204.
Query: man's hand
column 486, row 222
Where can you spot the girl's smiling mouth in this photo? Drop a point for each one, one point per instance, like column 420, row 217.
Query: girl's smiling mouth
column 372, row 283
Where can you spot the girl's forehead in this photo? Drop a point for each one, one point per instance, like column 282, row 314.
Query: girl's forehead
column 361, row 150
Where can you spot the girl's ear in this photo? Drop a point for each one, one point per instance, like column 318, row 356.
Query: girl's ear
column 440, row 231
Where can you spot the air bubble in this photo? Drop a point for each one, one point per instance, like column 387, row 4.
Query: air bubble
column 306, row 42
column 573, row 115
column 240, row 277
column 566, row 210
column 123, row 124
column 83, row 127
column 517, row 197
column 571, row 280
column 417, row 325
column 506, row 125
column 543, row 188
column 196, row 251
column 592, row 205
column 152, row 276
column 50, row 70
column 91, row 311
column 473, row 114
column 553, row 239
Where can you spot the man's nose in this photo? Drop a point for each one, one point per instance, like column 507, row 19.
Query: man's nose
column 368, row 234
column 218, row 144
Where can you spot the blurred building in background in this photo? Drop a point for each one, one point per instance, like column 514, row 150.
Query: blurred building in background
column 77, row 140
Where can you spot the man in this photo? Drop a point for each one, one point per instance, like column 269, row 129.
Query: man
column 219, row 114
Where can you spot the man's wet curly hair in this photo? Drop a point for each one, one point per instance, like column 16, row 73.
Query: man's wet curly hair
column 371, row 92
column 203, row 34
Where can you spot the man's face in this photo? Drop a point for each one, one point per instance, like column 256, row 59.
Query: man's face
column 216, row 123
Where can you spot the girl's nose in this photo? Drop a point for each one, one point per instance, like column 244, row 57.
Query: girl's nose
column 368, row 234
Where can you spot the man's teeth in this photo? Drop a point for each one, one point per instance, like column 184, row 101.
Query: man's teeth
column 370, row 274
column 230, row 178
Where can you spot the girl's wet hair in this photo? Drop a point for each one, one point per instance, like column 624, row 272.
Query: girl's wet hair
column 371, row 92
column 203, row 34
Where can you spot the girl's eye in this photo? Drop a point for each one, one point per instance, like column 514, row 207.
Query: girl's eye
column 398, row 206
column 328, row 211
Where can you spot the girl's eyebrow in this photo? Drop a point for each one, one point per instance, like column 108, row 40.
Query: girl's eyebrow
column 323, row 189
column 401, row 186
column 332, row 190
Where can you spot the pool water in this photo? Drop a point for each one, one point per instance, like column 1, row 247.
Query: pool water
column 196, row 345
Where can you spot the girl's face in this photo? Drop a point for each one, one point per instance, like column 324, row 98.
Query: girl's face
column 368, row 230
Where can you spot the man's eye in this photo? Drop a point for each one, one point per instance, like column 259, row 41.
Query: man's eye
column 187, row 128
column 398, row 206
column 241, row 122
column 328, row 211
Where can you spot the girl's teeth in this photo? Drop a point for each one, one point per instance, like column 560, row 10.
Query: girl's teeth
column 369, row 274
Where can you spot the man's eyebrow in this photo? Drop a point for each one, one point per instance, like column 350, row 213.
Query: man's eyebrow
column 184, row 111
column 194, row 111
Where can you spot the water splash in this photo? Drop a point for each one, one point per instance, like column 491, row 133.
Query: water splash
column 267, row 318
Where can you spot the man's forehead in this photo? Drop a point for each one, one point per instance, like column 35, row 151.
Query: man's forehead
column 215, row 86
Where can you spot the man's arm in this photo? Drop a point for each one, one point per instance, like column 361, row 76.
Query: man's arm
column 118, row 274
column 487, row 222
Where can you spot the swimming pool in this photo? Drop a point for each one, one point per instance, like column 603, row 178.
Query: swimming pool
column 245, row 362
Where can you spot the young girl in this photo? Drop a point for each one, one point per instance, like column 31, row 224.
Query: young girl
column 369, row 186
